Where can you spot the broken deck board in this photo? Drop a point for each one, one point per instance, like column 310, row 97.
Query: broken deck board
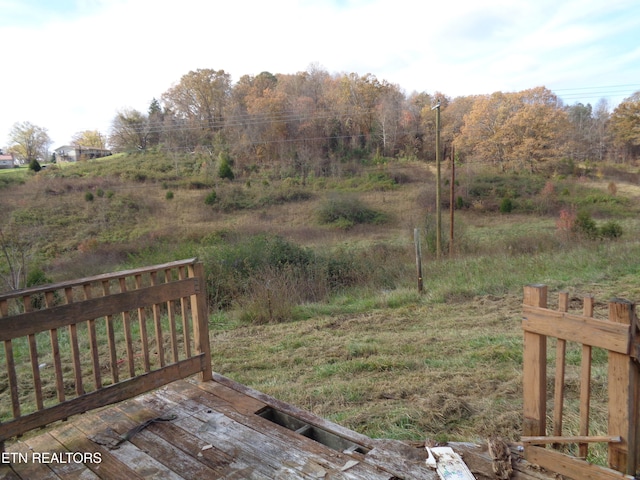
column 218, row 432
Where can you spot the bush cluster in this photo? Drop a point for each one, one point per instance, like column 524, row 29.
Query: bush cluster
column 345, row 211
column 584, row 226
column 267, row 275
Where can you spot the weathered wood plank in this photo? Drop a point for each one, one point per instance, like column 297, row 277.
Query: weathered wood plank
column 571, row 467
column 157, row 321
column 57, row 364
column 142, row 323
column 141, row 408
column 172, row 320
column 94, row 279
column 65, row 471
column 93, row 342
column 577, row 328
column 75, row 350
column 585, row 381
column 13, row 379
column 535, row 368
column 35, row 371
column 7, row 473
column 29, row 323
column 251, row 432
column 542, row 440
column 106, row 396
column 558, row 391
column 624, row 382
column 173, row 458
column 55, row 352
column 185, row 316
column 126, row 324
column 139, row 461
column 31, row 469
column 294, row 411
column 391, row 458
column 242, row 403
column 109, row 467
column 224, row 437
column 200, row 319
column 111, row 337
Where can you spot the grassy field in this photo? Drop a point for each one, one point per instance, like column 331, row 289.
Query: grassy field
column 321, row 310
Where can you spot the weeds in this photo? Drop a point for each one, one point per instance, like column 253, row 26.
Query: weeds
column 345, row 211
column 341, row 328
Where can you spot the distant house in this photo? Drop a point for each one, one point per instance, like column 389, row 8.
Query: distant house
column 7, row 161
column 73, row 153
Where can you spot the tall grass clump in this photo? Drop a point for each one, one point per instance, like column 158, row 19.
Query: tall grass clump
column 345, row 211
column 264, row 276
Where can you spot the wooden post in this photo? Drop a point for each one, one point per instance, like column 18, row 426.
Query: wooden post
column 201, row 320
column 558, row 392
column 585, row 382
column 624, row 381
column 452, row 199
column 416, row 240
column 534, row 369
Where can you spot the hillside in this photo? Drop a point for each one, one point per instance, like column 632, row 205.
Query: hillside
column 312, row 284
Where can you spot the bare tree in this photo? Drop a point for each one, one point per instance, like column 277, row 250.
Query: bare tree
column 29, row 142
column 14, row 252
column 129, row 131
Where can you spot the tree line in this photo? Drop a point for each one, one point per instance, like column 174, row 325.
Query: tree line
column 310, row 119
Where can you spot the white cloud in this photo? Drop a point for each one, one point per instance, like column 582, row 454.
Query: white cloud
column 77, row 66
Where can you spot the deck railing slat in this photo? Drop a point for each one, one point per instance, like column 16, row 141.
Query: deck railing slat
column 79, row 307
column 172, row 319
column 157, row 322
column 142, row 322
column 13, row 379
column 55, row 351
column 184, row 312
column 111, row 338
column 126, row 323
column 93, row 342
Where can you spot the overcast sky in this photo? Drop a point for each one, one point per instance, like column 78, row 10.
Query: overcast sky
column 70, row 65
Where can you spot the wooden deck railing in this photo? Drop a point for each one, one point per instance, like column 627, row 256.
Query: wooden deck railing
column 73, row 346
column 617, row 335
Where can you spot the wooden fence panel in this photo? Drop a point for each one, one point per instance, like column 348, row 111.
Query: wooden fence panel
column 617, row 335
column 87, row 322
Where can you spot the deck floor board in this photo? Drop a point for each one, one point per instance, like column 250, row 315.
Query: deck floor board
column 215, row 433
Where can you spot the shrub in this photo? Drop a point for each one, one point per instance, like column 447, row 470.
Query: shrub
column 211, row 198
column 235, row 260
column 346, row 211
column 88, row 197
column 224, row 170
column 37, row 277
column 461, row 203
column 611, row 230
column 169, row 195
column 506, row 205
column 585, row 226
column 34, row 165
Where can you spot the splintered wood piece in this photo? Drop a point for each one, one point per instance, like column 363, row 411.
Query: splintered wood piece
column 500, row 458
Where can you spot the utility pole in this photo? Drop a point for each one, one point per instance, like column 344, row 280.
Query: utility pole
column 438, row 200
column 452, row 198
